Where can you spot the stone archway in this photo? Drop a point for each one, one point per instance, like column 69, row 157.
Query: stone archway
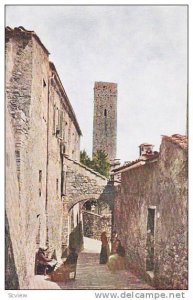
column 85, row 221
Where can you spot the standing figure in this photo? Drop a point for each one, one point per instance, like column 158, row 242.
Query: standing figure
column 104, row 249
column 114, row 242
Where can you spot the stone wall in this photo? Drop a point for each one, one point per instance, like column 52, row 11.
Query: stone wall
column 83, row 183
column 26, row 110
column 45, row 181
column 36, row 153
column 159, row 186
column 94, row 225
column 15, row 256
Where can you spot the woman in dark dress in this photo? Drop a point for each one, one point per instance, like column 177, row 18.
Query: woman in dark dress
column 104, row 249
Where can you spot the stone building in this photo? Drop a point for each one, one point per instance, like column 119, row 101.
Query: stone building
column 27, row 72
column 150, row 213
column 46, row 185
column 63, row 142
column 105, row 118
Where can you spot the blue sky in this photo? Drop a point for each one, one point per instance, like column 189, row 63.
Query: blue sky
column 141, row 48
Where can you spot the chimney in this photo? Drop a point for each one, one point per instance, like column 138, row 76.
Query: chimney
column 145, row 149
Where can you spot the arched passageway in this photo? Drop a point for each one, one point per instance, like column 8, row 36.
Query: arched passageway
column 97, row 217
column 89, row 218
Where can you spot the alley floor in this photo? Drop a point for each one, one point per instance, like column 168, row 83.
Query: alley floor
column 92, row 275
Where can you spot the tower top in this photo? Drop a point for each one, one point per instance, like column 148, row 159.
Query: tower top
column 105, row 85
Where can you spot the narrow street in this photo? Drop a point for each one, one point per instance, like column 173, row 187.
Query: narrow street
column 92, row 275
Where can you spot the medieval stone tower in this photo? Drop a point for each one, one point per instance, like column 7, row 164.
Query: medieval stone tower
column 105, row 118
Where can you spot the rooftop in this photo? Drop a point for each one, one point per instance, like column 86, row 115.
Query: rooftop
column 138, row 162
column 177, row 139
column 53, row 68
column 22, row 30
column 145, row 144
column 99, row 84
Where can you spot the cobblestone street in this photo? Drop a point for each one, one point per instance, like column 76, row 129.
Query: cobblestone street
column 92, row 275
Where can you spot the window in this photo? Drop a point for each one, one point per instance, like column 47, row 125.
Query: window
column 54, row 119
column 150, row 239
column 40, row 183
column 40, row 176
column 105, row 112
column 61, row 123
column 44, row 83
column 63, row 183
column 57, row 185
column 58, row 123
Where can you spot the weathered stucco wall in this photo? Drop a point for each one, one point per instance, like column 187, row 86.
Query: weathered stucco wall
column 161, row 186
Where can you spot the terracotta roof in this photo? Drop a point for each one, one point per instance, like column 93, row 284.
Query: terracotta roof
column 22, row 30
column 143, row 159
column 177, row 139
column 145, row 144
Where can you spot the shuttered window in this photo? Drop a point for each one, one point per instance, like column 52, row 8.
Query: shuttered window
column 54, row 119
column 58, row 123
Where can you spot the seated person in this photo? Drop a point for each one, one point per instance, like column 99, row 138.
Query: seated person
column 44, row 265
column 67, row 268
column 117, row 260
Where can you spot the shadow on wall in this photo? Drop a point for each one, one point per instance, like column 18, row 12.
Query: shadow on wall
column 11, row 277
column 76, row 238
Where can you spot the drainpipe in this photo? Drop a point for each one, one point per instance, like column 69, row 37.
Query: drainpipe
column 47, row 160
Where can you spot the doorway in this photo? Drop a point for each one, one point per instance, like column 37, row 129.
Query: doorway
column 150, row 239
